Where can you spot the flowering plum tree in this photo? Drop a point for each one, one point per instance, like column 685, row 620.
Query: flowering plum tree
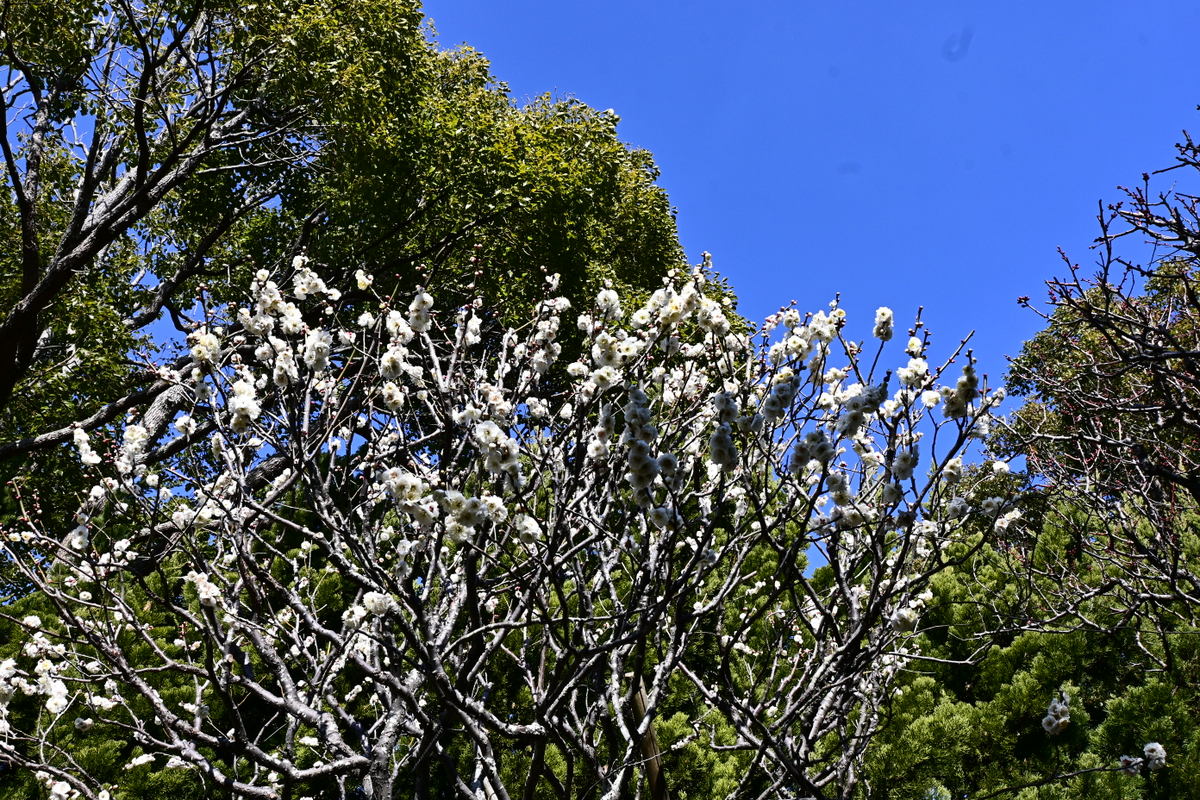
column 390, row 546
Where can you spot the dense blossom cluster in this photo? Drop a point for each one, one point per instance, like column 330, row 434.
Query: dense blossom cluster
column 87, row 455
column 1153, row 758
column 1058, row 715
column 369, row 498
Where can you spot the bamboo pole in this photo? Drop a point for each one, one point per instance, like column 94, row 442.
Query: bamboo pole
column 655, row 774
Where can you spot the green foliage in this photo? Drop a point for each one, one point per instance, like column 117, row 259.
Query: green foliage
column 452, row 181
column 969, row 722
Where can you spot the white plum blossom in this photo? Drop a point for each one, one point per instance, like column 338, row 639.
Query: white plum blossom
column 137, row 761
column 528, row 529
column 88, row 456
column 905, row 619
column 185, row 424
column 952, row 470
column 1155, row 755
column 393, row 396
column 957, row 400
column 56, row 694
column 500, row 452
column 205, row 345
column 608, row 303
column 207, row 592
column 721, row 448
column 418, row 311
column 243, row 405
column 291, row 321
column 398, row 328
column 317, row 347
column 904, row 464
column 376, row 603
column 78, row 537
column 305, row 282
column 712, row 317
column 992, row 505
column 883, row 324
column 915, row 374
column 134, row 443
column 1058, row 715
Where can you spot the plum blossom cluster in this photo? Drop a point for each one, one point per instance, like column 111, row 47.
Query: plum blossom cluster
column 208, row 593
column 1153, row 758
column 907, row 616
column 43, row 679
column 387, row 520
column 1155, row 755
column 87, row 455
column 1058, row 715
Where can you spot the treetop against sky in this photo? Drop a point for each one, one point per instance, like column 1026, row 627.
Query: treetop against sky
column 907, row 154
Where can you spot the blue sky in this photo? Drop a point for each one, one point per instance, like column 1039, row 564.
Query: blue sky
column 924, row 153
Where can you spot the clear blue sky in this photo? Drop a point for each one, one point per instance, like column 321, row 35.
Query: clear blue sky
column 924, row 153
